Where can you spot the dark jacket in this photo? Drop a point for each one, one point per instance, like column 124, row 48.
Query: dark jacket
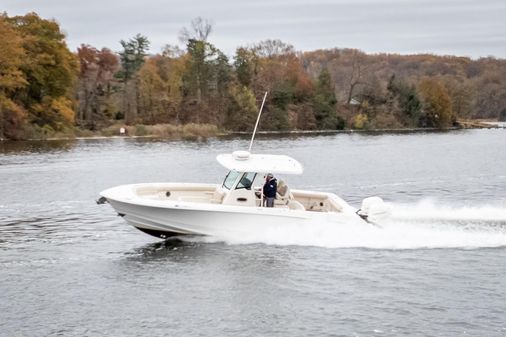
column 270, row 188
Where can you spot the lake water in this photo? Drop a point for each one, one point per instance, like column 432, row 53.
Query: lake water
column 70, row 267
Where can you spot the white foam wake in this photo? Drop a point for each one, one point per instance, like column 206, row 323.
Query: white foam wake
column 411, row 226
column 429, row 210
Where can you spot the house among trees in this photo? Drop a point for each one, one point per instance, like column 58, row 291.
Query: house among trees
column 354, row 102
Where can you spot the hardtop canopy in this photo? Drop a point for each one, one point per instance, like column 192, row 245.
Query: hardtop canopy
column 243, row 161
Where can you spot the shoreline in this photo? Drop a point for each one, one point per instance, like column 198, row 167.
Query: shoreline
column 464, row 125
column 264, row 133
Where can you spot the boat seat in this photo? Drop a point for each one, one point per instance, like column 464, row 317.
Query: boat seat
column 295, row 205
column 283, row 194
column 218, row 196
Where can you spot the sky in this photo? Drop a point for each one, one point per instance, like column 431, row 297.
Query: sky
column 475, row 28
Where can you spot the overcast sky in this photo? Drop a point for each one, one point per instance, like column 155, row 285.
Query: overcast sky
column 459, row 27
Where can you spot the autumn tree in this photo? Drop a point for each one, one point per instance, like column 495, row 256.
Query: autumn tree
column 273, row 66
column 461, row 94
column 490, row 94
column 106, row 82
column 172, row 67
column 96, row 84
column 245, row 65
column 12, row 54
column 436, row 103
column 269, row 60
column 152, row 91
column 160, row 82
column 50, row 72
column 276, row 70
column 242, row 109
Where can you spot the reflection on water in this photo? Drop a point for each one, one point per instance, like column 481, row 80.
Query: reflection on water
column 34, row 146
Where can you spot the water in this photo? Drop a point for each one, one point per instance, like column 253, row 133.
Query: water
column 69, row 267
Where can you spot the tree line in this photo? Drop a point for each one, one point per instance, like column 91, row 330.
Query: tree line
column 45, row 88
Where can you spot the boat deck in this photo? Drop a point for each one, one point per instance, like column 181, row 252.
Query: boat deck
column 211, row 194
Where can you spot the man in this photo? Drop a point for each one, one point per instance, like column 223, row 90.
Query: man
column 269, row 190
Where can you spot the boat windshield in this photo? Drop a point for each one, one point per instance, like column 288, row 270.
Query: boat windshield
column 246, row 180
column 230, row 179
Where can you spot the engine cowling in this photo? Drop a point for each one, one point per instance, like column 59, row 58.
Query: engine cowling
column 374, row 209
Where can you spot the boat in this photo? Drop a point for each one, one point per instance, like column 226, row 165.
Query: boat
column 236, row 206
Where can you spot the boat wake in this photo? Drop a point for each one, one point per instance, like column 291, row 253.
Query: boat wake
column 410, row 226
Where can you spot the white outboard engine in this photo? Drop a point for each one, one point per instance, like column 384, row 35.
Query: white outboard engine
column 373, row 209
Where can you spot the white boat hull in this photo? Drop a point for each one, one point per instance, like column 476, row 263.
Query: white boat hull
column 165, row 218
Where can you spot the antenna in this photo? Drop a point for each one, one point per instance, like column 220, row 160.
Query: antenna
column 256, row 124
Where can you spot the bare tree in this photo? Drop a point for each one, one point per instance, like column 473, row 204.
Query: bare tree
column 358, row 68
column 271, row 48
column 200, row 30
column 171, row 51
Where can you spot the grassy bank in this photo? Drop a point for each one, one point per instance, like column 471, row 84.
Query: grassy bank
column 188, row 131
column 204, row 131
column 167, row 131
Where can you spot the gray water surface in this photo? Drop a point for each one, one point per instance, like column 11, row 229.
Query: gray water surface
column 69, row 267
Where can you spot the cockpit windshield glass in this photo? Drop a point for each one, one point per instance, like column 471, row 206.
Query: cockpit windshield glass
column 246, row 180
column 230, row 179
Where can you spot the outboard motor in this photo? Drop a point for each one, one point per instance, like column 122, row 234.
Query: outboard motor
column 373, row 209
